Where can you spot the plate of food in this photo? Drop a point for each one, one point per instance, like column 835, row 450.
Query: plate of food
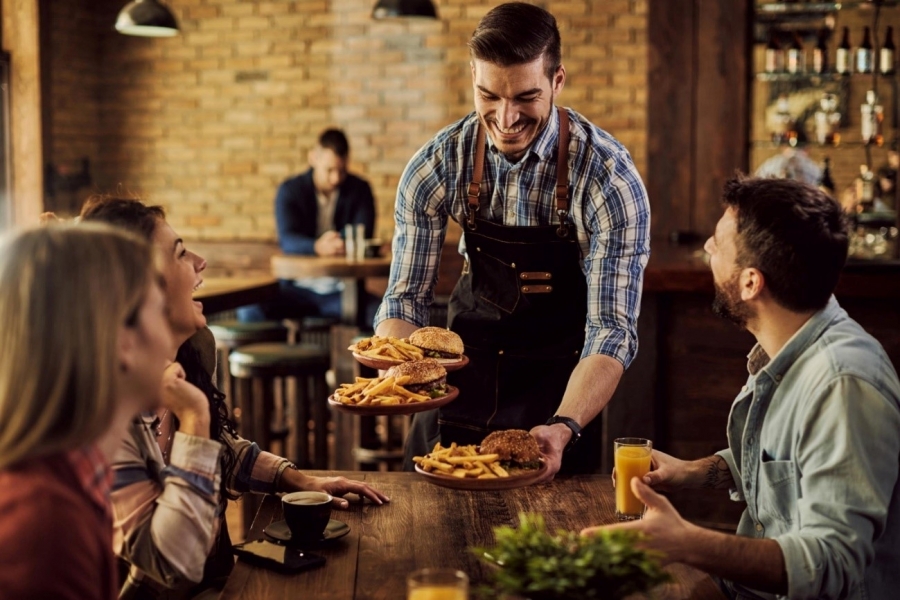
column 404, row 389
column 384, row 352
column 505, row 460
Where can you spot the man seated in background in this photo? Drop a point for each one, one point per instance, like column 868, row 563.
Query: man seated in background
column 813, row 435
column 311, row 211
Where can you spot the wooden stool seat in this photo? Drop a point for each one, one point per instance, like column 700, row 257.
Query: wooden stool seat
column 235, row 333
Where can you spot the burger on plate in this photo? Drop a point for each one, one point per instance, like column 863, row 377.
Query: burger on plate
column 437, row 342
column 427, row 377
column 517, row 449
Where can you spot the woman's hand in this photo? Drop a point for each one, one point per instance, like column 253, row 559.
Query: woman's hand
column 295, row 481
column 186, row 401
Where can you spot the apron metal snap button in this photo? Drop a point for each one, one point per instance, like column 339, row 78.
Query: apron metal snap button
column 500, row 352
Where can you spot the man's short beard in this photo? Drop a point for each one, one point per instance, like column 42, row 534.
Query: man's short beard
column 727, row 303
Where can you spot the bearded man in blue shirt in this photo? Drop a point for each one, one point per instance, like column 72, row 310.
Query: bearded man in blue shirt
column 555, row 225
column 814, row 435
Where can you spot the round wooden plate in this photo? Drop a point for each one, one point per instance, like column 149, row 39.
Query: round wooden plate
column 501, row 483
column 451, row 364
column 396, row 409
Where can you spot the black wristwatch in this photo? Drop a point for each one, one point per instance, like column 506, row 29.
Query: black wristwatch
column 571, row 424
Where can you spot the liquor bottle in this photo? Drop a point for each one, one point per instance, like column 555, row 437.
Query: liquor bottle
column 842, row 56
column 871, row 120
column 864, row 54
column 886, row 58
column 795, row 55
column 827, row 120
column 774, row 55
column 820, row 53
column 865, row 189
column 826, row 183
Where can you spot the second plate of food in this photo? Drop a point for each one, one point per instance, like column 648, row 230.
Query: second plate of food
column 517, row 478
column 406, row 408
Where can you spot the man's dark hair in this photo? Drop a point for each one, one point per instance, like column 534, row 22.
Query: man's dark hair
column 794, row 233
column 336, row 141
column 517, row 33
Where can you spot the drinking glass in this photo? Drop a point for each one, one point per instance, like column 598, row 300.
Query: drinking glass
column 632, row 458
column 437, row 584
column 350, row 242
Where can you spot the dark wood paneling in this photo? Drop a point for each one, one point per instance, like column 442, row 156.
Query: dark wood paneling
column 670, row 116
column 722, row 130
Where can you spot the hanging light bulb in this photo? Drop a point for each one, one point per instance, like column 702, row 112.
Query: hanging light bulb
column 147, row 18
column 404, row 8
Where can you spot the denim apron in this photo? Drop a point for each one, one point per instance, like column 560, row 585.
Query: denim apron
column 520, row 308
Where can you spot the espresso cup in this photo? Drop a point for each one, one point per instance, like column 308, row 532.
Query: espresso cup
column 306, row 514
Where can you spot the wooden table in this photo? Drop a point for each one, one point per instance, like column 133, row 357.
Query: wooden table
column 430, row 526
column 226, row 293
column 352, row 273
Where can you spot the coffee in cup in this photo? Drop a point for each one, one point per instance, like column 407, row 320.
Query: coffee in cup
column 306, row 514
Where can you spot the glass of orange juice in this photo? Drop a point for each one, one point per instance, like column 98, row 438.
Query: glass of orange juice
column 632, row 457
column 437, row 584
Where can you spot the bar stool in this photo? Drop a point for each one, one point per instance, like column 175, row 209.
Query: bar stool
column 231, row 334
column 260, row 371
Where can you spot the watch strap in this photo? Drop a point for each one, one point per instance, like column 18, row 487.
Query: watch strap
column 572, row 424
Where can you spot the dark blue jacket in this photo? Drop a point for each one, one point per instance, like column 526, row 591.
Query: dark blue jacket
column 297, row 211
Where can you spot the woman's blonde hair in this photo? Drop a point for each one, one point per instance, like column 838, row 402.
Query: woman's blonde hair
column 65, row 291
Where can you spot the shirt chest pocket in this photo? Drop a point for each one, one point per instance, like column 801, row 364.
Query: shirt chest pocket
column 777, row 494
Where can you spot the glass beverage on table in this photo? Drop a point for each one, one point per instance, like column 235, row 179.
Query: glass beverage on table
column 632, row 459
column 437, row 584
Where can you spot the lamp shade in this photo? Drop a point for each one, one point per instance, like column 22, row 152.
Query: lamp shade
column 404, row 8
column 147, row 18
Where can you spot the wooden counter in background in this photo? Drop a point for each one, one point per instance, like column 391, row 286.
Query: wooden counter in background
column 691, row 364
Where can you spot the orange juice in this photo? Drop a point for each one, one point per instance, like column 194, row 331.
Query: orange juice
column 437, row 592
column 631, row 461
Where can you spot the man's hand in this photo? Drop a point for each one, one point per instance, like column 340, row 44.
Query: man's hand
column 329, row 243
column 666, row 532
column 186, row 401
column 552, row 440
column 295, row 481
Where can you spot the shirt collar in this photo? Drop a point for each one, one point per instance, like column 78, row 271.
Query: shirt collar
column 544, row 145
column 94, row 474
column 802, row 339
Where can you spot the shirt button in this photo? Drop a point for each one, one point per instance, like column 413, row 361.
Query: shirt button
column 778, row 378
column 759, row 527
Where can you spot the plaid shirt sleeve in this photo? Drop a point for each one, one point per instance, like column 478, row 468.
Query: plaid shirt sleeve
column 420, row 219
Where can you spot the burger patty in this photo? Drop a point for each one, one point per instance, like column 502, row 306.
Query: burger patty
column 438, row 354
column 435, row 389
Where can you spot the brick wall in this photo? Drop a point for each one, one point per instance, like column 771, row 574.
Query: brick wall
column 210, row 122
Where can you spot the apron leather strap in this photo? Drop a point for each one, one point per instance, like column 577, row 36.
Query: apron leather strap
column 562, row 176
column 477, row 174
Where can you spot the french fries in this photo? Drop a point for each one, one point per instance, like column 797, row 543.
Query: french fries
column 387, row 348
column 461, row 462
column 377, row 391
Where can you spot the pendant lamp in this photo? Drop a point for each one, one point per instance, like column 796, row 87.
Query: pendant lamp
column 404, row 8
column 147, row 18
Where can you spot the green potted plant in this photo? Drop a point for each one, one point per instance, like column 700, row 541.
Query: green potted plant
column 534, row 564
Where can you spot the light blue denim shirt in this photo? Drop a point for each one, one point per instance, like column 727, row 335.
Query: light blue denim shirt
column 814, row 448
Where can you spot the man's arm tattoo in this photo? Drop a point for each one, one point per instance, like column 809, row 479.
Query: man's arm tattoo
column 718, row 475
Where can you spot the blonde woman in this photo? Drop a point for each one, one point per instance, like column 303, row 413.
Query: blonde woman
column 85, row 346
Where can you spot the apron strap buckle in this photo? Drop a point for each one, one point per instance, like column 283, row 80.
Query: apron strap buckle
column 473, row 195
column 563, row 229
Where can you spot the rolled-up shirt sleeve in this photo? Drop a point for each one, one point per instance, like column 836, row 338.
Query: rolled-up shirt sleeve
column 618, row 219
column 167, row 530
column 848, row 460
column 420, row 226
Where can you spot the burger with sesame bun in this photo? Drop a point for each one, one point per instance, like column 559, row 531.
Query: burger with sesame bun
column 437, row 342
column 517, row 449
column 427, row 377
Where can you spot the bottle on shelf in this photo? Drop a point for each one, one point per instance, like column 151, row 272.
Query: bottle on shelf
column 774, row 55
column 886, row 54
column 784, row 131
column 871, row 120
column 865, row 189
column 842, row 55
column 794, row 58
column 820, row 53
column 826, row 183
column 865, row 54
column 828, row 120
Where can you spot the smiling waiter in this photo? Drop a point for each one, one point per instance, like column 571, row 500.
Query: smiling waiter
column 555, row 235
